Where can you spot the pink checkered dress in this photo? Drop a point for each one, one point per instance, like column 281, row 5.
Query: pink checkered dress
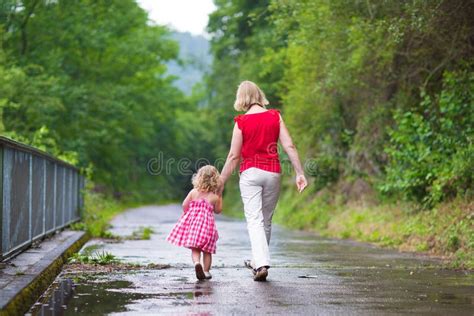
column 196, row 228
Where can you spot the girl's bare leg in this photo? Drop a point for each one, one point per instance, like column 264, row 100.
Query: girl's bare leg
column 207, row 260
column 196, row 255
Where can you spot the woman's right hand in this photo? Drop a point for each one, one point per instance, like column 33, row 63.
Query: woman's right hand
column 301, row 182
column 220, row 188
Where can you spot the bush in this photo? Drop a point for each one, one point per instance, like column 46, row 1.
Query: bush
column 431, row 155
column 324, row 169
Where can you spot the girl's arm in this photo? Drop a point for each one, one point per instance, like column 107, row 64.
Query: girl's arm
column 290, row 149
column 187, row 200
column 218, row 204
column 233, row 157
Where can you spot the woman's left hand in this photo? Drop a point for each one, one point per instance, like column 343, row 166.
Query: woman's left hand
column 301, row 182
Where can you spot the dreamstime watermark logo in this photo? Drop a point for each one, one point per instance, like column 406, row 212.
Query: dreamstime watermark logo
column 183, row 166
column 161, row 165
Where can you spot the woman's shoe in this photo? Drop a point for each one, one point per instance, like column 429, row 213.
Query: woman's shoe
column 199, row 271
column 261, row 274
column 248, row 265
column 208, row 275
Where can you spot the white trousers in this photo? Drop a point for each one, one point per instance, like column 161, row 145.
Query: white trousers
column 259, row 190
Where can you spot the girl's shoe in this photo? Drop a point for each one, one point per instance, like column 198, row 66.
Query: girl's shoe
column 199, row 271
column 208, row 275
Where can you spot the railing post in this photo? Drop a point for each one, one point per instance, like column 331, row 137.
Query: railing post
column 6, row 207
column 63, row 200
column 82, row 185
column 30, row 197
column 1, row 202
column 54, row 195
column 44, row 195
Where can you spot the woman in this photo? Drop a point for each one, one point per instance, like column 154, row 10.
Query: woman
column 254, row 143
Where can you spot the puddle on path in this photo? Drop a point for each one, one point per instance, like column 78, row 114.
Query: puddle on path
column 66, row 297
column 102, row 293
column 55, row 299
column 102, row 298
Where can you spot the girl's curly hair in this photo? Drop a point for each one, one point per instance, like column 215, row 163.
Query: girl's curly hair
column 206, row 179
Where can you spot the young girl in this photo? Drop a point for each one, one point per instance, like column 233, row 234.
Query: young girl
column 196, row 228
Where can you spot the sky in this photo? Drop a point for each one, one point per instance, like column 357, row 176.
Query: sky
column 181, row 15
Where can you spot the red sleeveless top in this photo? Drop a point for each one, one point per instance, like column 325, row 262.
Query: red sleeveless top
column 260, row 133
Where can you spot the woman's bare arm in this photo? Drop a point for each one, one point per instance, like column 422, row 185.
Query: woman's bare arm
column 233, row 158
column 290, row 149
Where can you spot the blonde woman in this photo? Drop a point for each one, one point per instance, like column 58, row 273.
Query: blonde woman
column 196, row 228
column 254, row 144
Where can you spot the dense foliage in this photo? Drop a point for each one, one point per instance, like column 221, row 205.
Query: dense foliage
column 374, row 92
column 380, row 91
column 431, row 150
column 86, row 80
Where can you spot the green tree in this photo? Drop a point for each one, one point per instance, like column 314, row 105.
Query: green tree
column 341, row 69
column 92, row 74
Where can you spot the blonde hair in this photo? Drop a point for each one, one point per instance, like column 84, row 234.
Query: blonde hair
column 206, row 179
column 248, row 94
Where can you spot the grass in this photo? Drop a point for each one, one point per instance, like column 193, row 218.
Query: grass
column 98, row 211
column 143, row 233
column 446, row 230
column 101, row 258
column 90, row 258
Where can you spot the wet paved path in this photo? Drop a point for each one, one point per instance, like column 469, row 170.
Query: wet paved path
column 310, row 275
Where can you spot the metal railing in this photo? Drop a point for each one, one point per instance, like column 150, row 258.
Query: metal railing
column 39, row 195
